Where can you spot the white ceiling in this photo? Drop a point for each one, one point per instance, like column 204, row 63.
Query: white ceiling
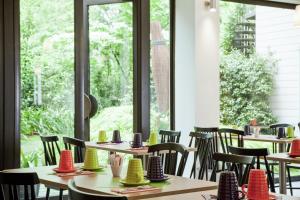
column 287, row 1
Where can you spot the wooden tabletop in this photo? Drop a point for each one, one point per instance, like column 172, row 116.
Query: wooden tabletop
column 124, row 148
column 268, row 138
column 283, row 157
column 46, row 176
column 102, row 182
column 199, row 196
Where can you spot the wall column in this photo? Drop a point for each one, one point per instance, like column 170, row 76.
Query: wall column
column 196, row 69
column 9, row 84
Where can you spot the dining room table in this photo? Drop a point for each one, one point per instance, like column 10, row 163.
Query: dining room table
column 103, row 182
column 211, row 195
column 283, row 159
column 282, row 142
column 125, row 147
column 282, row 148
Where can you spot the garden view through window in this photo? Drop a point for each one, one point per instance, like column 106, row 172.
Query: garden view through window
column 47, row 70
column 260, row 63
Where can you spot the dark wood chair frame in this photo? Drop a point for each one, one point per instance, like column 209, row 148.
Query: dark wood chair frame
column 169, row 136
column 51, row 148
column 215, row 133
column 76, row 194
column 15, row 180
column 241, row 165
column 203, row 143
column 172, row 150
column 258, row 153
column 79, row 148
column 227, row 136
column 288, row 169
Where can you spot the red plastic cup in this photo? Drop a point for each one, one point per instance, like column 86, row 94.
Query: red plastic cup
column 257, row 185
column 66, row 163
column 295, row 148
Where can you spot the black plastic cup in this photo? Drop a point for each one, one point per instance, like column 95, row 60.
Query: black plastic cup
column 247, row 130
column 116, row 137
column 137, row 141
column 228, row 187
column 155, row 170
column 281, row 133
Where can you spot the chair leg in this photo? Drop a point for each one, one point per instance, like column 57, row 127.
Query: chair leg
column 290, row 180
column 47, row 193
column 61, row 193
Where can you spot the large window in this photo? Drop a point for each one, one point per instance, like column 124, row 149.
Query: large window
column 260, row 65
column 47, row 74
column 111, row 67
column 160, row 64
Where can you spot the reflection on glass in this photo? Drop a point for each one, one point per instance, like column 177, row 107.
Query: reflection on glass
column 160, row 65
column 111, row 68
column 47, row 74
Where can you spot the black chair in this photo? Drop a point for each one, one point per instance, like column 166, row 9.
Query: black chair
column 214, row 131
column 51, row 149
column 241, row 165
column 14, row 180
column 172, row 150
column 203, row 143
column 75, row 194
column 288, row 168
column 274, row 131
column 228, row 136
column 169, row 136
column 79, row 148
column 258, row 153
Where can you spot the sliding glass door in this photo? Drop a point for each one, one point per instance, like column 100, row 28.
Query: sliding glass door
column 47, row 74
column 110, row 69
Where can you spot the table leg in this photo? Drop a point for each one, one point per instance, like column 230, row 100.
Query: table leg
column 282, row 177
column 282, row 170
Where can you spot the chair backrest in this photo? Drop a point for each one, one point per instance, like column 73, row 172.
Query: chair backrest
column 13, row 180
column 203, row 155
column 51, row 148
column 76, row 194
column 228, row 136
column 258, row 153
column 274, row 127
column 213, row 131
column 241, row 165
column 169, row 136
column 79, row 148
column 169, row 153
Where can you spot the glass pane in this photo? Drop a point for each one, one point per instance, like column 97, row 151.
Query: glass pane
column 47, row 74
column 111, row 68
column 160, row 64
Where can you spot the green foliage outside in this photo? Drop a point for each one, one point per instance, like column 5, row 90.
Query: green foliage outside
column 47, row 55
column 246, row 85
column 246, row 80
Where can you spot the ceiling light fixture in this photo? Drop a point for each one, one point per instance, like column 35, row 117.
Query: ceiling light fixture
column 211, row 5
column 297, row 16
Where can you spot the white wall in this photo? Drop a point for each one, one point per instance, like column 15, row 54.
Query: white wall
column 207, row 66
column 276, row 33
column 196, row 68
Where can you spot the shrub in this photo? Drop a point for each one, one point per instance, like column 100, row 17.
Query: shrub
column 246, row 85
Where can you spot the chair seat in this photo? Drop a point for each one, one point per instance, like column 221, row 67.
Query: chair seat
column 295, row 166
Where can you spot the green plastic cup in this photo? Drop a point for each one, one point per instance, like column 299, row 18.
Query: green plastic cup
column 290, row 132
column 91, row 159
column 102, row 136
column 135, row 172
column 153, row 139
